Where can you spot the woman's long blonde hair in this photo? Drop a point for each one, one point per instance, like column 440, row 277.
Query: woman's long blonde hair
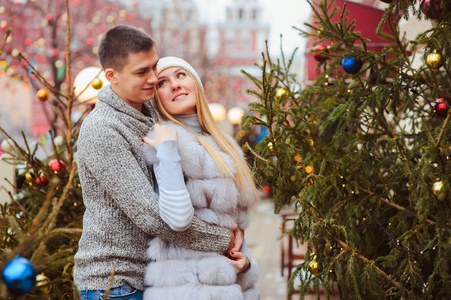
column 243, row 177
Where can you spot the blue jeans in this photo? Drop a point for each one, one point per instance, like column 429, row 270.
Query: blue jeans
column 124, row 292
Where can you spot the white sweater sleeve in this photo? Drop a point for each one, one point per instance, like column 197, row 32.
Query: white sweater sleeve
column 175, row 204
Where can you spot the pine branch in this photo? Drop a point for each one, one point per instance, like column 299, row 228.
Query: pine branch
column 394, row 205
column 367, row 261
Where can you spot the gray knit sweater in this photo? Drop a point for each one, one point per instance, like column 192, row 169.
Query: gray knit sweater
column 121, row 206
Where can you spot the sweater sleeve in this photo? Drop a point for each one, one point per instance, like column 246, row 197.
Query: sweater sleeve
column 175, row 204
column 115, row 170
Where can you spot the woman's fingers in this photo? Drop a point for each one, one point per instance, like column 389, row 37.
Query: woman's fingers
column 161, row 133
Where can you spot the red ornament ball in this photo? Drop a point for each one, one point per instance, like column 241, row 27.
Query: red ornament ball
column 441, row 107
column 41, row 181
column 432, row 12
column 56, row 165
column 318, row 53
column 266, row 189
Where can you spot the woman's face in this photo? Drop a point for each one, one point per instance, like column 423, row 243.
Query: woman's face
column 177, row 91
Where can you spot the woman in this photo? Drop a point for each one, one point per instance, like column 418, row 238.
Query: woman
column 221, row 191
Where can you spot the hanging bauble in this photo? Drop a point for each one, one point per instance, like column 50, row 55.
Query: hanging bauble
column 441, row 107
column 56, row 165
column 320, row 53
column 439, row 189
column 270, row 146
column 351, row 64
column 96, row 83
column 41, row 180
column 281, row 93
column 29, row 176
column 43, row 284
column 19, row 276
column 315, row 267
column 42, row 95
column 432, row 12
column 434, row 60
column 309, row 170
column 266, row 189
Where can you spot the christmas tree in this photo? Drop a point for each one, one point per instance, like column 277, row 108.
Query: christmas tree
column 41, row 223
column 362, row 154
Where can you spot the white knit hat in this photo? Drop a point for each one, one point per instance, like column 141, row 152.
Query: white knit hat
column 171, row 61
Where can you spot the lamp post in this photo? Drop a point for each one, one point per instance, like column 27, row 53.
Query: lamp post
column 88, row 83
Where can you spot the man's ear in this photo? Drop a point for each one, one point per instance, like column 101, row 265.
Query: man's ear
column 110, row 75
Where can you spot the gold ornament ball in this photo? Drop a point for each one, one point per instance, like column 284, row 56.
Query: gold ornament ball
column 309, row 170
column 29, row 176
column 281, row 92
column 439, row 190
column 42, row 95
column 270, row 146
column 43, row 284
column 96, row 83
column 434, row 60
column 314, row 267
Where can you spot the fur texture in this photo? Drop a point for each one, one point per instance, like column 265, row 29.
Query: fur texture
column 180, row 273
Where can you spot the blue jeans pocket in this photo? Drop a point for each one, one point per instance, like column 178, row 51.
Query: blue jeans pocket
column 124, row 292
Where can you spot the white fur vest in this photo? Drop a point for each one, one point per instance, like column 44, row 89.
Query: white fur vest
column 180, row 273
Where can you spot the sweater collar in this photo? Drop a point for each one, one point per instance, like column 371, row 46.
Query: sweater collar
column 191, row 121
column 108, row 97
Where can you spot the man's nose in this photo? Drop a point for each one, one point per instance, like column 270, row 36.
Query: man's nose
column 153, row 77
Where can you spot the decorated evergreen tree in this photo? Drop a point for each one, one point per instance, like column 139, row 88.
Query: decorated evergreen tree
column 41, row 225
column 362, row 155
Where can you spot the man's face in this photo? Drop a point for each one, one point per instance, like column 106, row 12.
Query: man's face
column 135, row 84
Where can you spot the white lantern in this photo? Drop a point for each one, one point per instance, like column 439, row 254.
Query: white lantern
column 7, row 145
column 83, row 80
column 235, row 114
column 218, row 111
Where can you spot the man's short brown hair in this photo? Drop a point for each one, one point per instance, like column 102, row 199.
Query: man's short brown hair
column 118, row 42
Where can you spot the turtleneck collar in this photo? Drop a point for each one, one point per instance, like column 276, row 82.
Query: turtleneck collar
column 191, row 121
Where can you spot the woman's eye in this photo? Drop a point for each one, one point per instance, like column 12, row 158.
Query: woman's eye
column 179, row 75
column 161, row 83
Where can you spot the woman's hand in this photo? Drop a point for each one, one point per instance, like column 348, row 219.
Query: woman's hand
column 238, row 259
column 161, row 133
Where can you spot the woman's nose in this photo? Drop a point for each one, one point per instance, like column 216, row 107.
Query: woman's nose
column 175, row 85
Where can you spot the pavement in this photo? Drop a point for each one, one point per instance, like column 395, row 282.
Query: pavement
column 262, row 237
column 264, row 243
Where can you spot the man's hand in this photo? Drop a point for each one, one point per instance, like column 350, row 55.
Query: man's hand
column 161, row 133
column 232, row 240
column 239, row 238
